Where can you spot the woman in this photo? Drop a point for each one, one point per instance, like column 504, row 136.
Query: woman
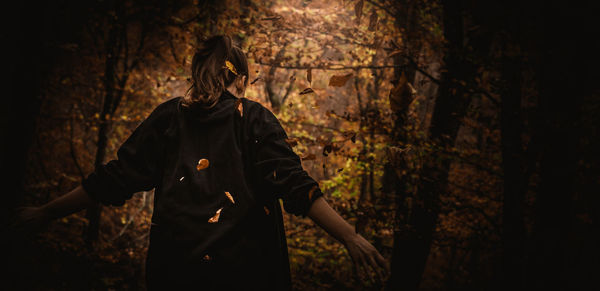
column 219, row 164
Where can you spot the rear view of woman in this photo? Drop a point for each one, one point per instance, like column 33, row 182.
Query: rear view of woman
column 219, row 163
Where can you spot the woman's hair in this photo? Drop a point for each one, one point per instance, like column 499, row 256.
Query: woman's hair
column 212, row 72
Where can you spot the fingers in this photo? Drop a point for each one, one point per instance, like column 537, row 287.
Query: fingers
column 381, row 261
column 377, row 268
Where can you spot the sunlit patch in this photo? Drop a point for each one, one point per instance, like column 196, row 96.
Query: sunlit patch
column 215, row 217
column 230, row 197
column 202, row 164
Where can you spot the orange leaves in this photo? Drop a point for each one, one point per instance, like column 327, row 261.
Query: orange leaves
column 339, row 80
column 239, row 107
column 230, row 197
column 202, row 164
column 215, row 217
column 307, row 91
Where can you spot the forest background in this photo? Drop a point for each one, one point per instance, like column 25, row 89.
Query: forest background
column 459, row 137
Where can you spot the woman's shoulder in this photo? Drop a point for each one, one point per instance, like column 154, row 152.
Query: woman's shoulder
column 258, row 112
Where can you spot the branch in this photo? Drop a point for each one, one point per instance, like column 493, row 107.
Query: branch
column 330, row 68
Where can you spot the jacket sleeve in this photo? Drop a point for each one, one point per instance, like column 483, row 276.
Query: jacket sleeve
column 279, row 167
column 138, row 164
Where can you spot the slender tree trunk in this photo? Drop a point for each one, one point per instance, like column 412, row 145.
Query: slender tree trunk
column 419, row 215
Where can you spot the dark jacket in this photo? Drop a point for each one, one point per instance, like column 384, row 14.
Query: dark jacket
column 248, row 157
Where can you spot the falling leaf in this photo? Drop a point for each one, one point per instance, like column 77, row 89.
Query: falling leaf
column 401, row 95
column 202, row 164
column 309, row 157
column 215, row 218
column 230, row 197
column 340, row 169
column 181, row 179
column 291, row 141
column 309, row 75
column 266, row 210
column 307, row 91
column 230, row 67
column 339, row 80
column 358, row 10
column 271, row 18
column 239, row 107
column 373, row 21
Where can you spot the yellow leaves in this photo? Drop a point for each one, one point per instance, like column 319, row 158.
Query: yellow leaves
column 239, row 107
column 230, row 67
column 202, row 164
column 230, row 197
column 339, row 80
column 307, row 91
column 215, row 217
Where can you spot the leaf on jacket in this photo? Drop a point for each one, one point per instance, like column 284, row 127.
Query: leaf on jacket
column 291, row 141
column 312, row 190
column 230, row 197
column 339, row 80
column 309, row 157
column 307, row 91
column 215, row 217
column 230, row 67
column 266, row 210
column 202, row 164
column 239, row 107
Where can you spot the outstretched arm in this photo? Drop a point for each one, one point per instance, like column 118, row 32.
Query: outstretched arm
column 362, row 252
column 31, row 219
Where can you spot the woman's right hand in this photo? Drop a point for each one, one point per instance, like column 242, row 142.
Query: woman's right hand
column 29, row 220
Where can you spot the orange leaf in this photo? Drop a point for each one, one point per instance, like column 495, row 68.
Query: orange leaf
column 310, row 193
column 215, row 218
column 230, row 197
column 230, row 67
column 339, row 80
column 307, row 91
column 202, row 164
column 239, row 107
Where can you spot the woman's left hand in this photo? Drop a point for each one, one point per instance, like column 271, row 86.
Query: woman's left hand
column 366, row 256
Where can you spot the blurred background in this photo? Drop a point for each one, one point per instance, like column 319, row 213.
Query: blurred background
column 459, row 137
